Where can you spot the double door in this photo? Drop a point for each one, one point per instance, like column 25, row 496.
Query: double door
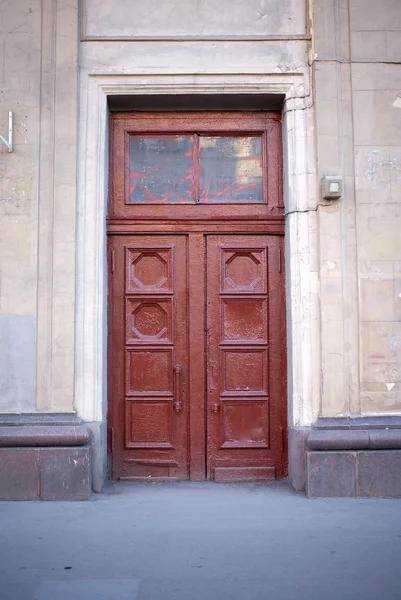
column 196, row 357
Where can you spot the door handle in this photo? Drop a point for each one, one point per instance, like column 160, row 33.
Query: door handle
column 177, row 401
column 215, row 407
column 212, row 377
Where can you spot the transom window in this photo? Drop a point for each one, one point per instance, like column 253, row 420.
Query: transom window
column 189, row 169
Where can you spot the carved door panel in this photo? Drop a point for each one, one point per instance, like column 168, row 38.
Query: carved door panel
column 244, row 358
column 148, row 357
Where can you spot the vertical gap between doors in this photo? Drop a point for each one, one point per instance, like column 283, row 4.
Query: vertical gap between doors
column 206, row 339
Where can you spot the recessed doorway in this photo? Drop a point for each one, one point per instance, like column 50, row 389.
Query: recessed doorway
column 197, row 382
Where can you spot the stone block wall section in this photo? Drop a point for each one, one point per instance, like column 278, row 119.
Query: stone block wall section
column 41, row 455
column 39, row 81
column 358, row 128
column 357, row 84
column 354, row 457
column 19, row 93
column 44, row 457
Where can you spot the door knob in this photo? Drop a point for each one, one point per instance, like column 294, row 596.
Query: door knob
column 215, row 407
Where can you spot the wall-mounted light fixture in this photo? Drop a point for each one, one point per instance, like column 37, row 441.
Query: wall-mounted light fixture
column 9, row 143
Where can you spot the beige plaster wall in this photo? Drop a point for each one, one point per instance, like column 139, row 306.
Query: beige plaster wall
column 346, row 254
column 57, row 203
column 376, row 75
column 130, row 36
column 38, row 75
column 20, row 93
column 208, row 18
column 261, row 43
column 357, row 76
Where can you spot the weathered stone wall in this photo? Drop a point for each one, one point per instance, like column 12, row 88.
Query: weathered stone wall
column 193, row 37
column 376, row 72
column 357, row 77
column 153, row 20
column 20, row 92
column 348, row 255
column 38, row 72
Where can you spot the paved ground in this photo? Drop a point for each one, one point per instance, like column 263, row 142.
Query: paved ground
column 201, row 541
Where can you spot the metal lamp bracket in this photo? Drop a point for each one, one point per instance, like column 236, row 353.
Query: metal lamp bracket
column 9, row 143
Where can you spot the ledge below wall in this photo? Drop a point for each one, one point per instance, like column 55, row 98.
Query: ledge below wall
column 44, row 456
column 354, row 457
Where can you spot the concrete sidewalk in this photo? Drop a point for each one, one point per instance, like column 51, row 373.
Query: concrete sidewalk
column 192, row 541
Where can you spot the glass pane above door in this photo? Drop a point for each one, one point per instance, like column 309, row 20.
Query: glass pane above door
column 231, row 169
column 161, row 170
column 188, row 169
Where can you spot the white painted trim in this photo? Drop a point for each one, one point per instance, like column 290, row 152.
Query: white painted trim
column 300, row 195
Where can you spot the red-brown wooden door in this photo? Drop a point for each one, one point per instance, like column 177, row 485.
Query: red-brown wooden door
column 245, row 398
column 196, row 348
column 230, row 422
column 148, row 357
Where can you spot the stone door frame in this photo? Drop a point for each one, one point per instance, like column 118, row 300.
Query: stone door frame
column 300, row 196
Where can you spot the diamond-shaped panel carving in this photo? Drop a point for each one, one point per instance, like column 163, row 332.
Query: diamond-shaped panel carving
column 244, row 270
column 148, row 320
column 149, row 271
